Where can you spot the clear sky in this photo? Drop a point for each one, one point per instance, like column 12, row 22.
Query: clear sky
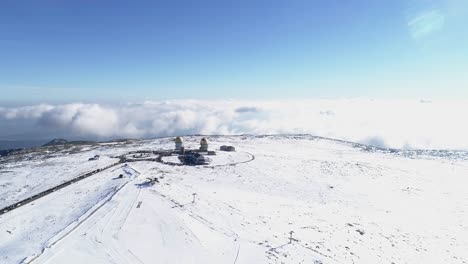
column 119, row 51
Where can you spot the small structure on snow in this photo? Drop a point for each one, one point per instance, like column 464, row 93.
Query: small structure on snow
column 193, row 158
column 227, row 148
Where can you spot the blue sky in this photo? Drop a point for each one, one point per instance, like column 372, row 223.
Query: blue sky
column 120, row 51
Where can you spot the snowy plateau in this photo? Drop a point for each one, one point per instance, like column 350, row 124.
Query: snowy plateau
column 276, row 199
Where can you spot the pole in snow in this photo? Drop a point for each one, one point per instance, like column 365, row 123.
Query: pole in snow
column 194, row 195
column 291, row 237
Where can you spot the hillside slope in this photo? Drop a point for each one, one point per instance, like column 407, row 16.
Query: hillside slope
column 344, row 202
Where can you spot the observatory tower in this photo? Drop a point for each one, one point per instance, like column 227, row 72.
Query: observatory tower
column 179, row 144
column 204, row 145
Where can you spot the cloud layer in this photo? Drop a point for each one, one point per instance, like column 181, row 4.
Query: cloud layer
column 384, row 123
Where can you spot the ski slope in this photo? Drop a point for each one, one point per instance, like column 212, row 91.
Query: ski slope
column 344, row 202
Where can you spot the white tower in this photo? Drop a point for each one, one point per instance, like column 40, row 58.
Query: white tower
column 203, row 145
column 179, row 143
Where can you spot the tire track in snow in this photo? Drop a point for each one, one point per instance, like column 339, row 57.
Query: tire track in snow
column 88, row 215
column 110, row 230
column 252, row 158
column 53, row 189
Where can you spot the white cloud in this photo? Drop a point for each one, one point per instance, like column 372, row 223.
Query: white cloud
column 426, row 23
column 384, row 123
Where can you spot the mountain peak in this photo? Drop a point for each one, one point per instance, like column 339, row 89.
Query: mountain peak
column 56, row 141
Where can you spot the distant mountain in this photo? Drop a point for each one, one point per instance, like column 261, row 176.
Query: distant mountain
column 9, row 145
column 61, row 141
column 55, row 142
column 17, row 144
column 8, row 151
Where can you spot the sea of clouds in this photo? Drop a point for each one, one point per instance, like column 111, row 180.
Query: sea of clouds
column 420, row 124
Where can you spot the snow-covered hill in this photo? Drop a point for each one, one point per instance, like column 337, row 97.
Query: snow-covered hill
column 344, row 202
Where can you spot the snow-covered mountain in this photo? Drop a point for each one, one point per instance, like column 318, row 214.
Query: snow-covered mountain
column 276, row 199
